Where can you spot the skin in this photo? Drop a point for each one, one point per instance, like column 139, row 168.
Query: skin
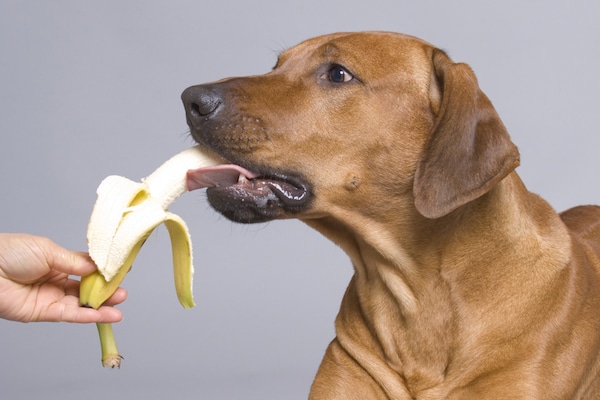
column 35, row 282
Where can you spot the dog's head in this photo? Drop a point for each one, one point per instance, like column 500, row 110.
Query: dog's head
column 364, row 121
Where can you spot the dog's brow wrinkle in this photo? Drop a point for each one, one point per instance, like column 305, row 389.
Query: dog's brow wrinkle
column 331, row 50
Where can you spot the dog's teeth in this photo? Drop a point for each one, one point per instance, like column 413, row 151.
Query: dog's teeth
column 242, row 178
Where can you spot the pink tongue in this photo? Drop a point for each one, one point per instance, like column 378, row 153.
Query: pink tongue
column 219, row 175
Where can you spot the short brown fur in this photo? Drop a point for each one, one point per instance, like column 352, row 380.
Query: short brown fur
column 466, row 285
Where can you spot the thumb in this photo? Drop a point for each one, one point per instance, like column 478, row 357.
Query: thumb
column 67, row 261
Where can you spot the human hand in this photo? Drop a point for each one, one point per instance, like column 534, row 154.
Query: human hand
column 35, row 283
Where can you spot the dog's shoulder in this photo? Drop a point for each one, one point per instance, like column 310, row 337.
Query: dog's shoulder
column 584, row 223
column 582, row 220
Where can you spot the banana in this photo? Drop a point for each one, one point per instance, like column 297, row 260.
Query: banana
column 124, row 215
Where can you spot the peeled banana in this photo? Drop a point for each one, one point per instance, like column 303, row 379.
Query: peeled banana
column 124, row 215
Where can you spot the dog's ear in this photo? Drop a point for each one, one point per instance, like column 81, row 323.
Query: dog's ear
column 469, row 149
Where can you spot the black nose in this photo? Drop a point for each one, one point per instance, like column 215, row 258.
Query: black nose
column 201, row 103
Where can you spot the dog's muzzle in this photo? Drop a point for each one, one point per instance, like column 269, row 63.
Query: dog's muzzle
column 248, row 192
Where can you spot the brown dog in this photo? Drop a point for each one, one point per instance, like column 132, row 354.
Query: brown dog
column 466, row 285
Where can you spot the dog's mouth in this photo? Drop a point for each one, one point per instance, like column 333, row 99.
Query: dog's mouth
column 246, row 196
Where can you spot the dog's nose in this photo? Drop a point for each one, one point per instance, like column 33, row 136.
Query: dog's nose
column 201, row 103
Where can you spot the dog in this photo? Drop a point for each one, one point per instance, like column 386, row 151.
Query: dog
column 465, row 285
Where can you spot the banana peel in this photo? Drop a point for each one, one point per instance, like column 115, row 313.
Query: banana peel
column 124, row 215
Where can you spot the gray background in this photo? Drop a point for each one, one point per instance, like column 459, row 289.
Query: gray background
column 91, row 88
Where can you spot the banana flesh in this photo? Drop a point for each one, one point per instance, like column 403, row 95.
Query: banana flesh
column 124, row 215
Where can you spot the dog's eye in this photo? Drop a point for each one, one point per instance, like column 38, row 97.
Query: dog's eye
column 338, row 74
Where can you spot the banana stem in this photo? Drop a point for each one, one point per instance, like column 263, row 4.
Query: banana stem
column 110, row 354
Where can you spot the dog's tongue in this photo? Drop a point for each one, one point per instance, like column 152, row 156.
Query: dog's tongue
column 218, row 175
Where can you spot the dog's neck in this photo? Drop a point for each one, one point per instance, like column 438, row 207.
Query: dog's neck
column 415, row 280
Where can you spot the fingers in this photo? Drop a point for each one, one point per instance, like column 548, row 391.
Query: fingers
column 119, row 296
column 80, row 264
column 109, row 314
column 69, row 262
column 69, row 310
column 74, row 313
column 32, row 257
column 41, row 267
column 71, row 288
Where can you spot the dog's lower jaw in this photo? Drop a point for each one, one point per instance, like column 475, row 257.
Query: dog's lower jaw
column 242, row 207
column 267, row 204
